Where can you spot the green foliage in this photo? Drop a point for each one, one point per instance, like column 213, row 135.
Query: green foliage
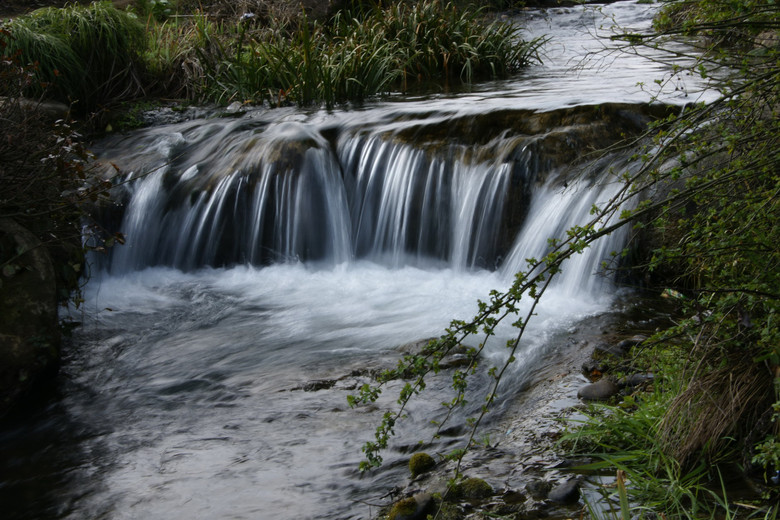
column 627, row 439
column 92, row 54
column 84, row 54
column 160, row 10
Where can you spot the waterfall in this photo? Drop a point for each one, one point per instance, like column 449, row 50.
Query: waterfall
column 215, row 194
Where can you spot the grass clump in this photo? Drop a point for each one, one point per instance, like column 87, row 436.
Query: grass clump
column 97, row 54
column 358, row 54
column 625, row 438
column 85, row 55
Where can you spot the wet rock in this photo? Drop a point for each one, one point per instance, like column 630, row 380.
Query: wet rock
column 502, row 509
column 420, row 463
column 533, row 511
column 316, row 385
column 29, row 325
column 235, row 108
column 601, row 390
column 593, row 370
column 566, row 493
column 512, row 497
column 605, row 350
column 635, row 380
column 538, row 489
column 474, row 488
column 413, row 508
column 631, row 342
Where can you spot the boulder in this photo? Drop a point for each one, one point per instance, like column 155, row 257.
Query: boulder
column 474, row 488
column 633, row 341
column 29, row 324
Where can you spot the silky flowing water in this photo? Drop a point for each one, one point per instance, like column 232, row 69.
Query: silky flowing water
column 273, row 260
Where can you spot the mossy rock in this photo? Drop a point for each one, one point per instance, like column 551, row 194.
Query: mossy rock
column 421, row 463
column 412, row 508
column 474, row 489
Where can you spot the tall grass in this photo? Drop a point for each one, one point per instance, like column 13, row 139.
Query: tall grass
column 83, row 54
column 355, row 56
column 92, row 55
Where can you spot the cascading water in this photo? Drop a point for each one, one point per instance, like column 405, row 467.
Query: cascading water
column 275, row 260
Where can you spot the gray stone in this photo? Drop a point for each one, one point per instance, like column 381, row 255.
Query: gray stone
column 631, row 342
column 601, row 390
column 235, row 107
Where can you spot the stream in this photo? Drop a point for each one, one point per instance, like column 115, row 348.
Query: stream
column 276, row 259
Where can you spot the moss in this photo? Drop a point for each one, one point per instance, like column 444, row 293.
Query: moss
column 421, row 463
column 474, row 488
column 403, row 509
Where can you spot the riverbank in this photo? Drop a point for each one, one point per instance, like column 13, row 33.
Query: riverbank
column 519, row 456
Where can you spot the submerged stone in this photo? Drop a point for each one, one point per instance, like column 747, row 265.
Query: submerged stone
column 538, row 489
